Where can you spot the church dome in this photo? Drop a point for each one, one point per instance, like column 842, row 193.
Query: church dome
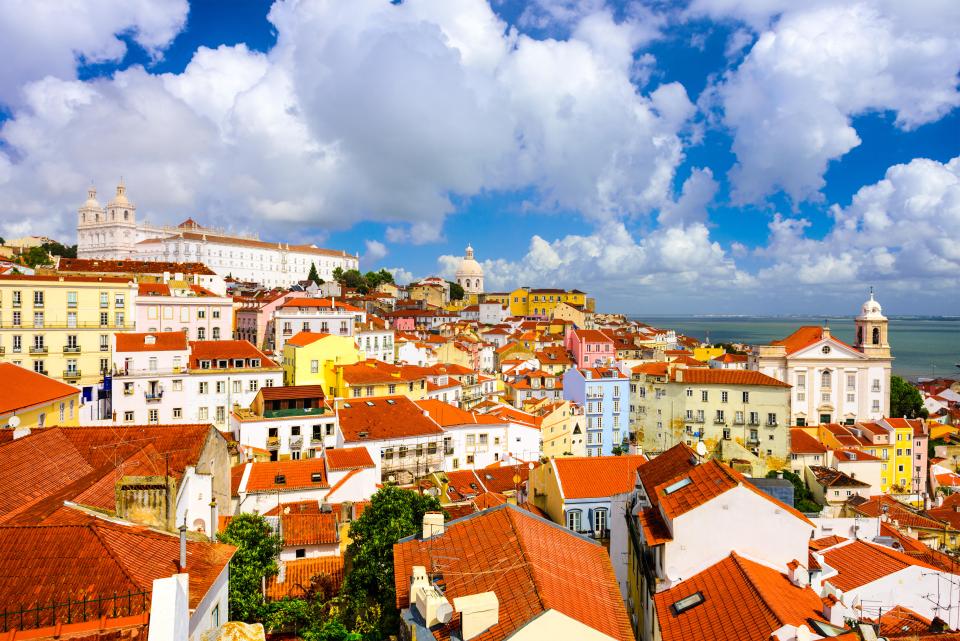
column 871, row 310
column 92, row 202
column 469, row 267
column 120, row 200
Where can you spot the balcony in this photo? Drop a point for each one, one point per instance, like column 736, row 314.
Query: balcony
column 753, row 440
column 296, row 442
column 719, row 421
column 154, row 396
column 754, row 422
column 71, row 374
column 273, row 443
column 294, row 411
column 772, row 423
column 738, row 421
column 698, row 419
column 3, row 350
column 71, row 349
column 38, row 349
column 448, row 451
column 316, row 440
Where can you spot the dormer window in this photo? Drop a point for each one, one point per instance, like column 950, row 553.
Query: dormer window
column 316, row 477
column 238, row 362
column 204, row 364
column 254, row 362
column 222, row 363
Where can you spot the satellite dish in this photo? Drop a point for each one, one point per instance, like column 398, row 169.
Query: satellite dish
column 530, row 465
column 14, row 422
column 701, row 449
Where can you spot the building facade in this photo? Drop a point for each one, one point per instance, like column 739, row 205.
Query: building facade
column 604, row 394
column 833, row 382
column 62, row 326
column 114, row 233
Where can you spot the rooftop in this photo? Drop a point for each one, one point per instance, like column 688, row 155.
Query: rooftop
column 274, row 476
column 151, row 341
column 583, row 477
column 24, row 388
column 385, row 417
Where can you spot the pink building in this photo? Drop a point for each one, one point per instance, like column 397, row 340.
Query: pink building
column 171, row 307
column 590, row 347
column 255, row 315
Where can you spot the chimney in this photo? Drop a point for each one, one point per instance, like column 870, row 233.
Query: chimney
column 426, row 598
column 826, row 331
column 432, row 524
column 478, row 613
column 183, row 548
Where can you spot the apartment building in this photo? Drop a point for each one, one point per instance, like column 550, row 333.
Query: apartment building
column 685, row 405
column 285, row 423
column 28, row 399
column 62, row 326
column 604, row 394
column 177, row 306
column 317, row 315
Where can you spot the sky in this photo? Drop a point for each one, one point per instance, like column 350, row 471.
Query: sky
column 695, row 157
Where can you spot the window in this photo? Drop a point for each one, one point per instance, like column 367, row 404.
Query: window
column 746, row 397
column 201, row 333
column 204, row 387
column 178, row 385
column 38, row 299
column 825, row 379
column 71, row 300
column 599, row 520
column 153, row 416
column 17, row 343
column 253, row 385
column 38, row 319
column 704, row 396
column 573, row 520
column 314, row 366
column 16, row 299
column 801, row 380
column 118, row 300
column 771, row 419
column 215, row 313
column 203, row 413
column 215, row 333
column 16, row 319
column 724, row 397
column 128, row 417
column 221, row 414
column 221, row 387
column 177, row 412
column 851, row 381
column 876, row 405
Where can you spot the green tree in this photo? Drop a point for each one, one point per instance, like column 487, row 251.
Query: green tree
column 256, row 559
column 35, row 256
column 372, row 279
column 314, row 276
column 2, row 241
column 905, row 400
column 386, row 277
column 802, row 497
column 456, row 291
column 56, row 249
column 393, row 514
column 338, row 274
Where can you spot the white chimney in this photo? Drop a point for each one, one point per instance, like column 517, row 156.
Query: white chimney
column 798, row 575
column 478, row 612
column 432, row 524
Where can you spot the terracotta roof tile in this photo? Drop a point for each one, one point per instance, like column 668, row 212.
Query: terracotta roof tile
column 272, row 476
column 284, row 392
column 348, row 458
column 303, row 339
column 765, row 600
column 582, row 477
column 803, row 443
column 151, row 341
column 384, row 417
column 804, row 337
column 539, row 565
column 298, row 575
column 859, row 563
column 897, row 511
column 131, row 266
column 825, row 542
column 24, row 388
column 229, row 350
column 321, row 303
column 301, row 528
column 707, row 376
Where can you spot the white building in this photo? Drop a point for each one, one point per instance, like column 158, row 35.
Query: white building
column 292, row 422
column 470, row 274
column 162, row 378
column 114, row 233
column 375, row 339
column 317, row 315
column 833, row 382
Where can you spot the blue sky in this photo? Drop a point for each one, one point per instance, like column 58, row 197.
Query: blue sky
column 778, row 116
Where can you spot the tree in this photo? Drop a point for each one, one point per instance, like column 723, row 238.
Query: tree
column 314, row 276
column 256, row 559
column 2, row 241
column 338, row 274
column 56, row 249
column 905, row 400
column 802, row 497
column 393, row 514
column 456, row 291
column 35, row 256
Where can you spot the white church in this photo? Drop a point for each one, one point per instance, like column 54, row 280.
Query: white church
column 833, row 382
column 114, row 233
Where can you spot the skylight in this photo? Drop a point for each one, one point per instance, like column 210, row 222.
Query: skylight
column 280, row 479
column 679, row 485
column 684, row 604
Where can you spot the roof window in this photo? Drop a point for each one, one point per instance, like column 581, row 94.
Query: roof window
column 316, row 477
column 369, row 403
column 686, row 603
column 679, row 485
column 390, row 401
column 280, row 479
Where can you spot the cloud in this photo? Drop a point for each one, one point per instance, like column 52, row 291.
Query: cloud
column 903, row 230
column 375, row 251
column 364, row 110
column 697, row 193
column 813, row 67
column 400, row 275
column 41, row 39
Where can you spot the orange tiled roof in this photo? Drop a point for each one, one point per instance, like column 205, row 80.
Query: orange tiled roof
column 320, row 303
column 764, row 601
column 652, row 369
column 532, row 565
column 348, row 458
column 592, row 336
column 131, row 266
column 265, row 476
column 708, row 480
column 162, row 341
column 804, row 337
column 897, row 511
column 302, row 339
column 24, row 388
column 583, row 477
column 859, row 563
column 707, row 376
column 98, row 559
column 825, row 542
column 676, row 461
column 229, row 350
column 803, row 443
column 303, row 528
column 384, row 417
column 299, row 574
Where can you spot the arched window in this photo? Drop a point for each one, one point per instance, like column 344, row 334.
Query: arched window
column 876, row 335
column 825, row 380
column 573, row 520
column 126, row 214
column 860, row 335
column 83, row 218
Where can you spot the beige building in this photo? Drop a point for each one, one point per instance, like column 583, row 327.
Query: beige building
column 833, row 382
column 676, row 404
column 62, row 326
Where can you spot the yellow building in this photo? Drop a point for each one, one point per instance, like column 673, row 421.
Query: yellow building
column 309, row 358
column 366, row 379
column 541, row 302
column 28, row 399
column 431, row 293
column 61, row 326
column 889, row 439
column 706, row 353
